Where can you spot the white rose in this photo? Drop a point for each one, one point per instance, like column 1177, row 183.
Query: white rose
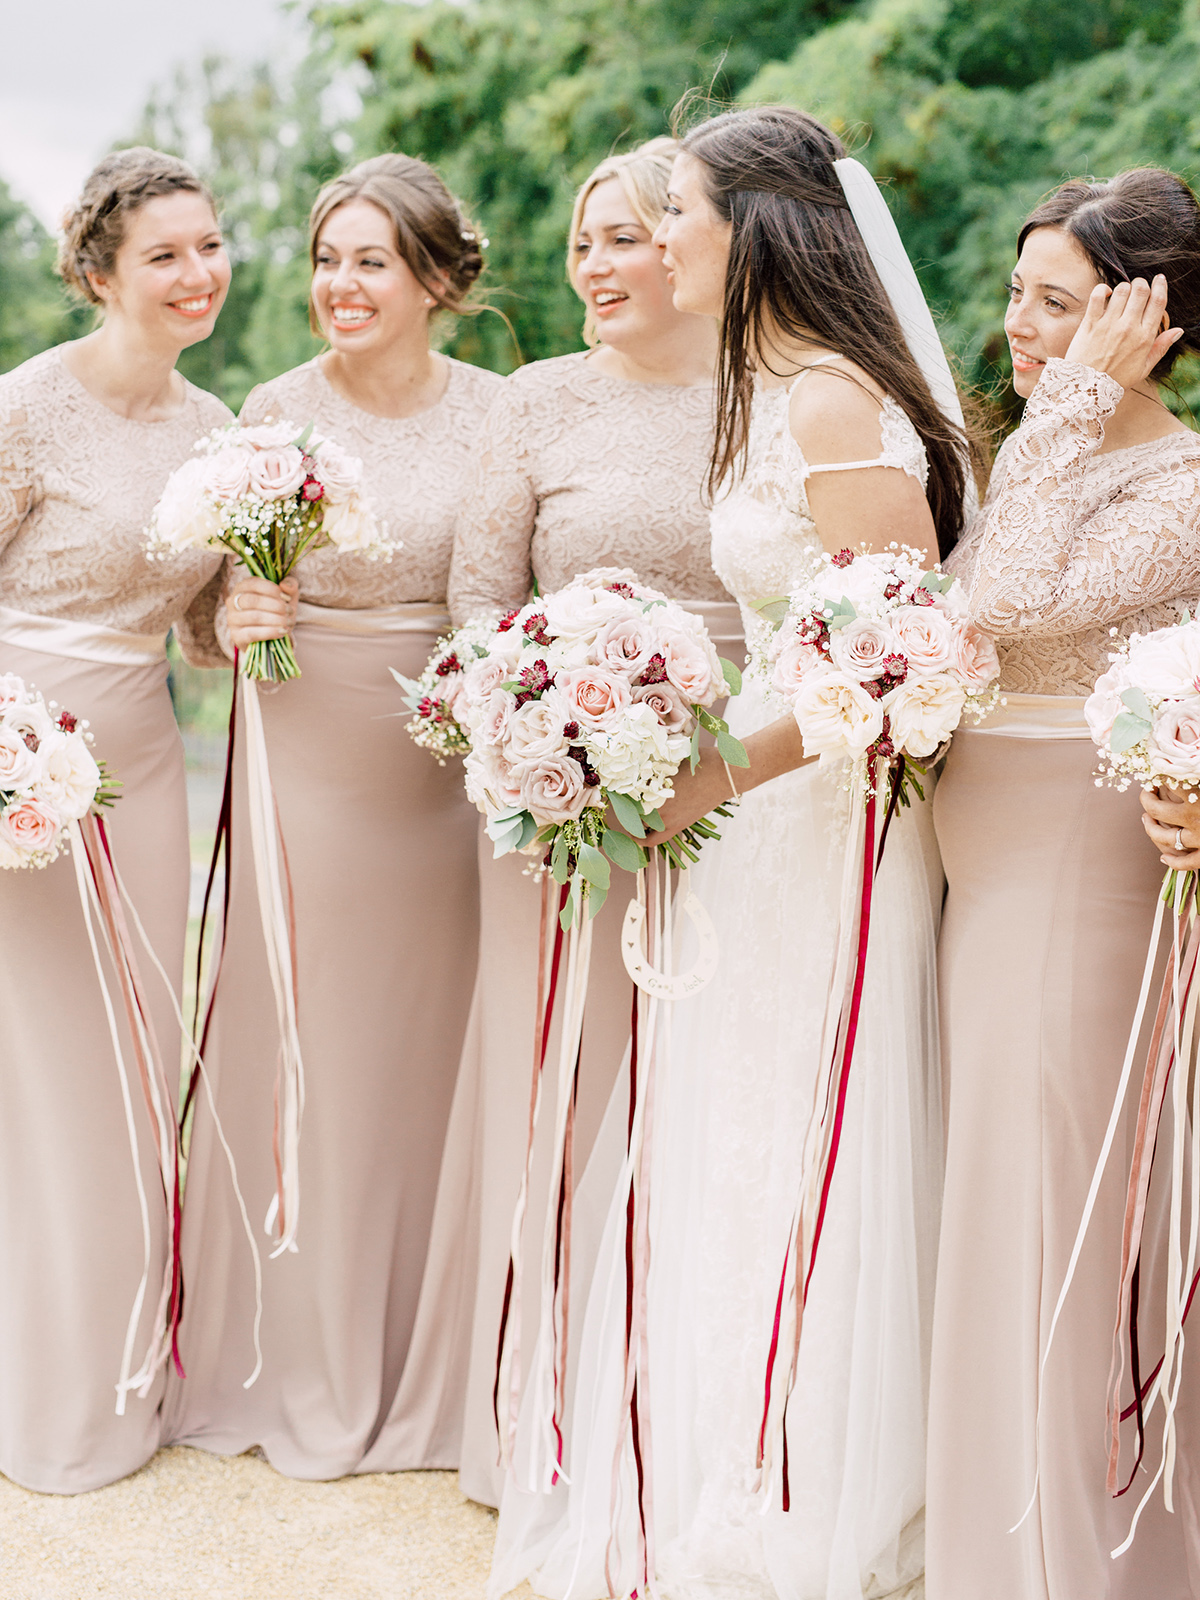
column 69, row 777
column 625, row 645
column 268, row 435
column 277, row 473
column 1166, row 664
column 339, row 472
column 484, row 675
column 185, row 517
column 925, row 637
column 494, row 714
column 350, row 525
column 1174, row 741
column 794, row 663
column 18, row 764
column 924, row 712
column 580, row 612
column 536, row 729
column 1104, row 705
column 227, row 472
column 973, row 657
column 31, row 718
column 12, row 690
column 693, row 667
column 835, row 715
column 491, row 783
column 861, row 647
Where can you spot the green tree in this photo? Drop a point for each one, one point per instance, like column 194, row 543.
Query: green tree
column 35, row 311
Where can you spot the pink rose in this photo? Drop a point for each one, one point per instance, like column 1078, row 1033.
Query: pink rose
column 482, row 676
column 12, row 690
column 925, row 636
column 625, row 645
column 689, row 667
column 492, row 785
column 973, row 657
column 18, row 764
column 497, row 709
column 340, row 472
column 1103, row 706
column 277, row 473
column 269, row 435
column 535, row 730
column 30, row 826
column 553, row 789
column 795, row 662
column 597, row 695
column 227, row 474
column 668, row 705
column 1175, row 740
column 861, row 648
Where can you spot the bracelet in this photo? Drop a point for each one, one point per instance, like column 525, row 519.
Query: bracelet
column 729, row 775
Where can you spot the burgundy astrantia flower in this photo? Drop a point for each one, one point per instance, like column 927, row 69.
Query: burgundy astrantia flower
column 814, row 630
column 893, row 589
column 68, row 721
column 32, row 742
column 921, row 597
column 591, row 777
column 656, row 670
column 621, row 589
column 506, row 622
column 843, row 558
column 570, row 730
column 447, row 665
column 313, row 489
column 895, row 668
column 534, row 629
column 433, row 710
column 534, row 681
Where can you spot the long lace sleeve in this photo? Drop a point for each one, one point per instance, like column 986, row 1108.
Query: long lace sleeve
column 1061, row 548
column 16, row 473
column 201, row 631
column 491, row 569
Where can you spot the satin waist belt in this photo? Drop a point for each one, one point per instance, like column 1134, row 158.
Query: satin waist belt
column 416, row 616
column 81, row 641
column 1036, row 716
column 722, row 618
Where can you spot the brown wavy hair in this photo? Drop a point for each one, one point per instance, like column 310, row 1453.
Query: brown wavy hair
column 439, row 242
column 1141, row 222
column 799, row 271
column 93, row 229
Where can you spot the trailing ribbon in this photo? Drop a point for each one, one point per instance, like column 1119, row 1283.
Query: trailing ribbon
column 864, row 855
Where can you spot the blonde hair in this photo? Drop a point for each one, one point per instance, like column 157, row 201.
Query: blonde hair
column 433, row 233
column 643, row 175
column 93, row 229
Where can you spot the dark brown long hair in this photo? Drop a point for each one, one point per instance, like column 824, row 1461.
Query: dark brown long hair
column 1141, row 222
column 798, row 269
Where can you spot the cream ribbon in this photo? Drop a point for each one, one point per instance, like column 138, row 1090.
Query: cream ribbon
column 417, row 616
column 1035, row 716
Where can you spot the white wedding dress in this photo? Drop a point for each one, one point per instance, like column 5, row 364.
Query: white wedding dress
column 730, row 1119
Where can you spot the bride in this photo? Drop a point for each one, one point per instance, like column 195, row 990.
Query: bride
column 837, row 426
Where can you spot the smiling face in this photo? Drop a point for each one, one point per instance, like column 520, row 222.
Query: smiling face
column 1048, row 296
column 171, row 273
column 617, row 271
column 365, row 294
column 695, row 242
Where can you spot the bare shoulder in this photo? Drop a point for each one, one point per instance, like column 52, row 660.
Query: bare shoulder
column 834, row 413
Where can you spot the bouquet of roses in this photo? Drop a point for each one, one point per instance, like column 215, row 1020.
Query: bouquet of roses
column 587, row 698
column 269, row 494
column 438, row 697
column 1144, row 712
column 878, row 663
column 48, row 776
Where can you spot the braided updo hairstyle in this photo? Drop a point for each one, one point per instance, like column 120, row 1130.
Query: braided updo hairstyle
column 93, row 229
column 1139, row 223
column 441, row 245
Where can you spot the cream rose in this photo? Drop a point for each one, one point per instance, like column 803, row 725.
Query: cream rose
column 693, row 668
column 1175, row 740
column 31, row 718
column 227, row 473
column 18, row 764
column 491, row 783
column 973, row 657
column 277, row 473
column 596, row 695
column 625, row 645
column 269, row 435
column 924, row 712
column 794, row 663
column 340, row 472
column 69, row 777
column 579, row 612
column 553, row 789
column 925, row 637
column 484, row 675
column 350, row 525
column 184, row 517
column 495, row 713
column 12, row 690
column 535, row 730
column 668, row 705
column 861, row 647
column 1166, row 664
column 1104, row 705
column 30, row 827
column 836, row 715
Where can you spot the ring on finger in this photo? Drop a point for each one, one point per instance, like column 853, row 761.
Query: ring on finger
column 1179, row 847
column 237, row 602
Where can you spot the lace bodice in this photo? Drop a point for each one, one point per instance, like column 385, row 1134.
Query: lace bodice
column 764, row 540
column 77, row 485
column 577, row 469
column 1072, row 543
column 413, row 474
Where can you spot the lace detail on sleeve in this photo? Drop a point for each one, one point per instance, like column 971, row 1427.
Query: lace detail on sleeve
column 1073, row 539
column 491, row 569
column 202, row 631
column 16, row 472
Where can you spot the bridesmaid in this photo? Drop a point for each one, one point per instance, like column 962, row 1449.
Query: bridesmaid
column 89, row 433
column 590, row 459
column 381, row 849
column 1091, row 528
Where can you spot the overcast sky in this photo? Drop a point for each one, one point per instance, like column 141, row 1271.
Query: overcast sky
column 74, row 75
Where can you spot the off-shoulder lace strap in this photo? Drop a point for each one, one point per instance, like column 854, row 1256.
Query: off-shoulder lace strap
column 900, row 443
column 17, row 472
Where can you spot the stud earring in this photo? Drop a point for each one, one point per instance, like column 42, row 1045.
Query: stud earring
column 429, row 300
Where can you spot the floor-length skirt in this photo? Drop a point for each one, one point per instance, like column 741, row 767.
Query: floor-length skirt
column 1051, row 899
column 380, row 845
column 445, row 1413
column 729, row 1125
column 71, row 1241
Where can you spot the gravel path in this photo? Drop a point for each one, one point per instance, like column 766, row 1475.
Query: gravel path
column 193, row 1525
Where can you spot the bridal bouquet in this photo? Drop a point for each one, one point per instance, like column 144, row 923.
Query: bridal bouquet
column 48, row 776
column 269, row 494
column 587, row 698
column 878, row 662
column 1144, row 712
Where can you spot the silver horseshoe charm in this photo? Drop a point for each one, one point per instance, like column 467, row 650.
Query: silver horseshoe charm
column 660, row 984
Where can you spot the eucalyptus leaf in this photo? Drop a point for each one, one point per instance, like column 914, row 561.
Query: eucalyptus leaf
column 529, row 830
column 731, row 750
column 623, row 851
column 654, row 821
column 628, row 813
column 559, row 860
column 937, row 582
column 838, row 613
column 1135, row 700
column 774, row 609
column 593, row 866
column 733, row 675
column 302, row 442
column 596, row 898
column 1127, row 731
